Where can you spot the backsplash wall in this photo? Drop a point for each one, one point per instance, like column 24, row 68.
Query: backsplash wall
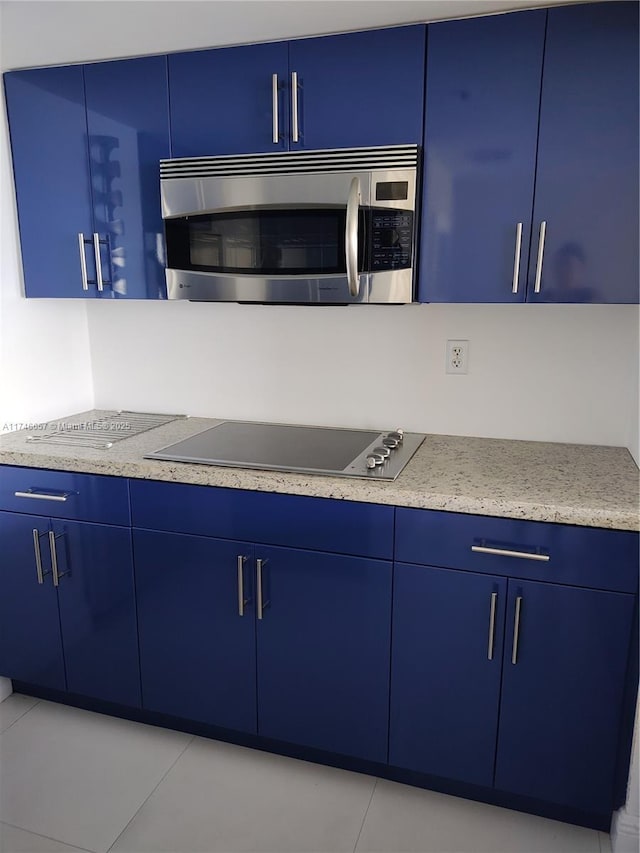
column 541, row 372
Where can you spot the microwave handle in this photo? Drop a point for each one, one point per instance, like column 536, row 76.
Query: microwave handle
column 351, row 237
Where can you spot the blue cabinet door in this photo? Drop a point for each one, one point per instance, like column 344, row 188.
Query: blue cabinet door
column 128, row 127
column 587, row 174
column 97, row 611
column 481, row 125
column 446, row 668
column 323, row 651
column 197, row 650
column 30, row 641
column 222, row 100
column 564, row 671
column 48, row 128
column 359, row 89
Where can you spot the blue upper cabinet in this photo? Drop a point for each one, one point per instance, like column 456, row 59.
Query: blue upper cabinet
column 229, row 101
column 47, row 121
column 481, row 124
column 358, row 89
column 587, row 178
column 87, row 175
column 128, row 127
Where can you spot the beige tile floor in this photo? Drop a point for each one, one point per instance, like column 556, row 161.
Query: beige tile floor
column 71, row 780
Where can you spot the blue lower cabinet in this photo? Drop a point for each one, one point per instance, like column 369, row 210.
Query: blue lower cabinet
column 30, row 641
column 446, row 670
column 323, row 650
column 197, row 641
column 564, row 673
column 97, row 610
column 67, row 611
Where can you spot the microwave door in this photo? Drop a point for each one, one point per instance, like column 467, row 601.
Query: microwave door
column 305, row 247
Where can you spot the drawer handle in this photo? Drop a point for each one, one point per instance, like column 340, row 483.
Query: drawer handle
column 504, row 552
column 36, row 548
column 241, row 599
column 492, row 624
column 54, row 558
column 42, row 496
column 516, row 630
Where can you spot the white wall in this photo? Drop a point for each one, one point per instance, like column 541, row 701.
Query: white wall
column 549, row 372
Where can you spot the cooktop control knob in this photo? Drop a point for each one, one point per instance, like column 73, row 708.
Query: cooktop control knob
column 382, row 451
column 374, row 459
column 398, row 435
column 390, row 442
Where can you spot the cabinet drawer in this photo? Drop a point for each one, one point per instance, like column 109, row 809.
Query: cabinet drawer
column 321, row 524
column 62, row 494
column 578, row 556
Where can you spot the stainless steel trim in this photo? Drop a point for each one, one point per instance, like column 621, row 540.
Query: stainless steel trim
column 351, row 237
column 294, row 107
column 241, row 599
column 301, row 289
column 41, row 497
column 274, row 109
column 516, row 260
column 541, row 238
column 259, row 605
column 504, row 552
column 96, row 251
column 492, row 624
column 36, row 548
column 516, row 630
column 83, row 262
column 383, row 157
column 54, row 558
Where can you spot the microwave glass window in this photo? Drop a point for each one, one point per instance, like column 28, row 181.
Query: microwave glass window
column 267, row 242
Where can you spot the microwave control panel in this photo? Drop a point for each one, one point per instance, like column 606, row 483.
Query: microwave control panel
column 391, row 239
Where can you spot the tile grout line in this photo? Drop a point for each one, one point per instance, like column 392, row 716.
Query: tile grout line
column 169, row 769
column 47, row 837
column 373, row 790
column 24, row 713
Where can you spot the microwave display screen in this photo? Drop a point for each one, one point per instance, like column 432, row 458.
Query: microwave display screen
column 392, row 190
column 260, row 242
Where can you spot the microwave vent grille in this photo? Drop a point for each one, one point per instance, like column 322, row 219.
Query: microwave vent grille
column 293, row 162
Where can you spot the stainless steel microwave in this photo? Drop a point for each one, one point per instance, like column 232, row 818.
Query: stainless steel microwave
column 302, row 227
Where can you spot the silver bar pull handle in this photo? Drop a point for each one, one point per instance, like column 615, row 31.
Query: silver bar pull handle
column 38, row 555
column 241, row 599
column 274, row 108
column 516, row 630
column 96, row 250
column 295, row 130
column 261, row 604
column 351, row 237
column 504, row 552
column 83, row 262
column 516, row 260
column 538, row 278
column 40, row 496
column 54, row 558
column 492, row 624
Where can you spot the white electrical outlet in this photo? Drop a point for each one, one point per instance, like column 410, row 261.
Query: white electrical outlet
column 457, row 356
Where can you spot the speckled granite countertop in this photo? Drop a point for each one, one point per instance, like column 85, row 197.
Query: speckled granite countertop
column 569, row 483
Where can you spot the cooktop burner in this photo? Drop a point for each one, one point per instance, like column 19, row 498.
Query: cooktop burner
column 284, row 447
